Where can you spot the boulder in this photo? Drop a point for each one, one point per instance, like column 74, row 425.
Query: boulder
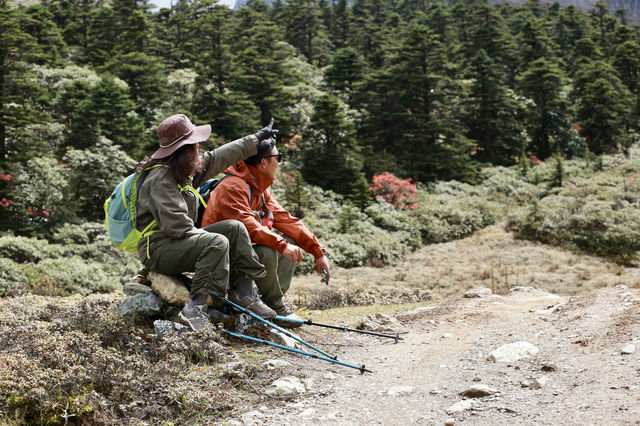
column 132, row 288
column 282, row 339
column 286, row 386
column 272, row 364
column 140, row 304
column 477, row 391
column 628, row 349
column 162, row 327
column 513, row 352
column 170, row 288
column 478, row 292
column 380, row 323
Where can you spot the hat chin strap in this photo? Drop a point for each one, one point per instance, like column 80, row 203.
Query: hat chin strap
column 179, row 139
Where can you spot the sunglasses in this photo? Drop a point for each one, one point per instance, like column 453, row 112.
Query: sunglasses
column 278, row 155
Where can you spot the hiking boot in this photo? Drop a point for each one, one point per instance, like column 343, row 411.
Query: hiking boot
column 252, row 304
column 217, row 317
column 196, row 317
column 286, row 311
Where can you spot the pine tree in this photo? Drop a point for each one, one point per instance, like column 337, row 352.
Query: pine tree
column 332, row 156
column 493, row 116
column 134, row 60
column 17, row 48
column 347, row 68
column 37, row 21
column 108, row 111
column 258, row 65
column 605, row 106
column 305, row 30
column 432, row 142
column 547, row 124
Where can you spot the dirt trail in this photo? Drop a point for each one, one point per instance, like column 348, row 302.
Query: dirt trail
column 418, row 380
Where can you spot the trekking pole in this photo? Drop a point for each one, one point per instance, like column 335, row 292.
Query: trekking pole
column 275, row 327
column 396, row 337
column 362, row 369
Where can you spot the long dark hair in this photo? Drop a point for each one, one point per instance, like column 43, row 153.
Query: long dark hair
column 183, row 163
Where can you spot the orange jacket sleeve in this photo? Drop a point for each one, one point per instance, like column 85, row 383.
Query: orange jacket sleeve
column 293, row 227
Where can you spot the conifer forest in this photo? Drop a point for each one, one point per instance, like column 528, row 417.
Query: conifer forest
column 425, row 90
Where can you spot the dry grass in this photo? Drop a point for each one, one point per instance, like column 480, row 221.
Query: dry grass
column 489, row 255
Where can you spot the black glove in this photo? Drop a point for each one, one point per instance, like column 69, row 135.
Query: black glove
column 267, row 132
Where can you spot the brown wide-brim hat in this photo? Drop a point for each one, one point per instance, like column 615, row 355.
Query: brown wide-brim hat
column 177, row 131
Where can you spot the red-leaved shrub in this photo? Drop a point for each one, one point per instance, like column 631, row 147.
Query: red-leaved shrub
column 399, row 192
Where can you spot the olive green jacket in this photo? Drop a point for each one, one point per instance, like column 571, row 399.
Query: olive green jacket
column 175, row 210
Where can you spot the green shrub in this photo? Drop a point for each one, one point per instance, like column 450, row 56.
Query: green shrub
column 84, row 233
column 444, row 217
column 79, row 260
column 349, row 235
column 604, row 228
column 13, row 279
column 67, row 276
column 22, row 249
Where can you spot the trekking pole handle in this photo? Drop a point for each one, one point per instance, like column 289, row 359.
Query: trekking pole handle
column 326, row 276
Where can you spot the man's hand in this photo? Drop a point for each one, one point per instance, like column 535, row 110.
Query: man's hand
column 323, row 263
column 267, row 132
column 293, row 253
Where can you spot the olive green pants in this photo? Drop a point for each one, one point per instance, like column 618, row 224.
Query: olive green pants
column 217, row 257
column 278, row 278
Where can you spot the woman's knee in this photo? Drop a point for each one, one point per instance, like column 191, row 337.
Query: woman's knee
column 217, row 242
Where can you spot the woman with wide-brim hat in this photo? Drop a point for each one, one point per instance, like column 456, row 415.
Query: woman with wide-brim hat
column 216, row 254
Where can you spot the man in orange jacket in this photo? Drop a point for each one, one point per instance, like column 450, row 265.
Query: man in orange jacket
column 244, row 196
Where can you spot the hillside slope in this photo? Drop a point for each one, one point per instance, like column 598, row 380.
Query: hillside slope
column 77, row 358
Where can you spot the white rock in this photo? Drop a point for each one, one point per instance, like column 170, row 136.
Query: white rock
column 171, row 289
column 252, row 416
column 477, row 391
column 447, row 336
column 461, row 406
column 513, row 352
column 308, row 383
column 539, row 382
column 283, row 339
column 286, row 386
column 400, row 390
column 450, row 422
column 307, row 412
column 478, row 292
column 629, row 349
column 272, row 364
column 235, row 369
column 381, row 323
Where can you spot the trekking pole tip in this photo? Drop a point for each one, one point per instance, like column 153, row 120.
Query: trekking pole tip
column 364, row 370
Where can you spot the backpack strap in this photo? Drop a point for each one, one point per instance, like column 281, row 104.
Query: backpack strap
column 195, row 191
column 148, row 230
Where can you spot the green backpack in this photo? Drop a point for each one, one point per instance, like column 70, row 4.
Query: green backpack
column 120, row 213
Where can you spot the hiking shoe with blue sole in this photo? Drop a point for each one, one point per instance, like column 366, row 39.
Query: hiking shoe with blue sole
column 252, row 304
column 286, row 311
